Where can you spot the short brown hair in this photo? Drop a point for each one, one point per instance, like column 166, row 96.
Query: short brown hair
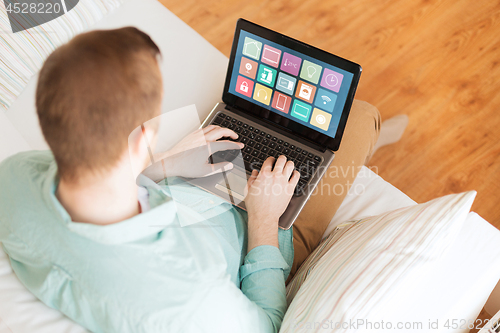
column 92, row 93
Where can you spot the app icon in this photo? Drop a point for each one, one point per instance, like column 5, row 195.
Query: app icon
column 271, row 56
column 262, row 94
column 266, row 75
column 286, row 83
column 301, row 110
column 244, row 86
column 305, row 91
column 331, row 80
column 310, row 72
column 248, row 67
column 251, row 48
column 325, row 100
column 321, row 119
column 290, row 64
column 281, row 102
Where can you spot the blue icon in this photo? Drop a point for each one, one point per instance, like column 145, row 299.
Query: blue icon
column 286, row 83
column 325, row 100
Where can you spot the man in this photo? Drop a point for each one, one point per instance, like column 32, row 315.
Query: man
column 115, row 257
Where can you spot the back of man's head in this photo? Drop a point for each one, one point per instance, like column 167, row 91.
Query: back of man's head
column 92, row 93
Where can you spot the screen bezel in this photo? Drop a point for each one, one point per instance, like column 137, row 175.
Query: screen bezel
column 287, row 124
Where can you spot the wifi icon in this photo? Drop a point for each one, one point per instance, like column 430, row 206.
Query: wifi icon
column 326, row 99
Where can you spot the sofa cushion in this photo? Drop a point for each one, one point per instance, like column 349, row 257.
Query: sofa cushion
column 358, row 267
column 24, row 52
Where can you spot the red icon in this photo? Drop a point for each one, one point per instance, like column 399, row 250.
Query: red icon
column 281, row 102
column 248, row 67
column 271, row 56
column 244, row 86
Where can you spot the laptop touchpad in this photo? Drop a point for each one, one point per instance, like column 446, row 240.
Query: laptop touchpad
column 233, row 184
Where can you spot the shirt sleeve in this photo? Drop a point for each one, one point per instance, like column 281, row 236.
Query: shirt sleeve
column 258, row 307
column 263, row 282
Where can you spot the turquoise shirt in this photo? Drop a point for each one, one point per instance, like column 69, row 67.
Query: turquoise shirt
column 182, row 266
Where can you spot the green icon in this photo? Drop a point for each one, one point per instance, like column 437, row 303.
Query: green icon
column 310, row 72
column 266, row 75
column 301, row 110
column 251, row 48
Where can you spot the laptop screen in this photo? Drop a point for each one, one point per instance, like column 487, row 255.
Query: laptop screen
column 305, row 92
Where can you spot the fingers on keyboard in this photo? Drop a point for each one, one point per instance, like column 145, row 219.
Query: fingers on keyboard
column 260, row 145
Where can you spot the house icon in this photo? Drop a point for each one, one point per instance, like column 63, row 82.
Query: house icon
column 252, row 48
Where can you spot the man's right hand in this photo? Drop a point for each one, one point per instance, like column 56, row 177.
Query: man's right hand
column 269, row 193
column 190, row 157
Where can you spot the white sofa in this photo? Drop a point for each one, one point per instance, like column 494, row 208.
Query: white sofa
column 194, row 72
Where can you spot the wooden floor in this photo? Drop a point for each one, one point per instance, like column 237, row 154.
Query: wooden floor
column 438, row 61
column 483, row 318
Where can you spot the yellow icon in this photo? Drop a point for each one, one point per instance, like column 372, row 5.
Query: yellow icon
column 262, row 94
column 321, row 119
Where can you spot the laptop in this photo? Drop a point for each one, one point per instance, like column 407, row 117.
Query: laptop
column 282, row 97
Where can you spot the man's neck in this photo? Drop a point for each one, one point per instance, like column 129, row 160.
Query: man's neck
column 103, row 199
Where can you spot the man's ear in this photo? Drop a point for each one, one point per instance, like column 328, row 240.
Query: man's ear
column 139, row 149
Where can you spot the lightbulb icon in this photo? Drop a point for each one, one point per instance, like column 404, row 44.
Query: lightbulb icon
column 311, row 71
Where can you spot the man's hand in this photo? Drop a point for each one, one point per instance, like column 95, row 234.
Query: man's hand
column 190, row 157
column 199, row 138
column 269, row 193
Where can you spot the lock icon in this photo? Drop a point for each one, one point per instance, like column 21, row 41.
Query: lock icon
column 244, row 86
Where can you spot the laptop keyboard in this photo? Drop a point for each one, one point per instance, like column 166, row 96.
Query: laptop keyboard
column 259, row 145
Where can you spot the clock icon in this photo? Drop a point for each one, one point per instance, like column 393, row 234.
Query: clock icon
column 332, row 80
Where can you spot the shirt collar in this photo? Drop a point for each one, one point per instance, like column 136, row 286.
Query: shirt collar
column 161, row 214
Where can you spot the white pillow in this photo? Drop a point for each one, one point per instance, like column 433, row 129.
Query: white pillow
column 22, row 54
column 360, row 264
